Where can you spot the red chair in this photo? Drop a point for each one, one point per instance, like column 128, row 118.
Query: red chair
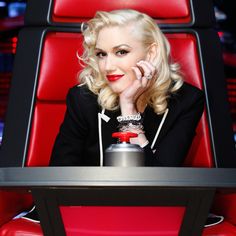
column 42, row 71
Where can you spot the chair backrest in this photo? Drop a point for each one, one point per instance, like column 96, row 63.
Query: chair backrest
column 46, row 66
column 55, row 77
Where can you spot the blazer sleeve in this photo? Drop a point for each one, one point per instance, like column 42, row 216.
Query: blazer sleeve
column 69, row 144
column 174, row 146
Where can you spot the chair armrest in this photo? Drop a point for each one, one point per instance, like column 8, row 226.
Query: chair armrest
column 225, row 204
column 222, row 229
column 12, row 203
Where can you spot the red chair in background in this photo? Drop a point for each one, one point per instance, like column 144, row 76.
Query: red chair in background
column 42, row 77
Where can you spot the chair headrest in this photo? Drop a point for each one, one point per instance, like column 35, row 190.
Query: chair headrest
column 171, row 13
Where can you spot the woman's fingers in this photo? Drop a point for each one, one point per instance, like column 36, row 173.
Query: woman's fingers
column 142, row 81
column 144, row 72
column 148, row 69
column 137, row 72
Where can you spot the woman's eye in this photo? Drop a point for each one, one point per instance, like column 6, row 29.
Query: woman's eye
column 121, row 52
column 100, row 54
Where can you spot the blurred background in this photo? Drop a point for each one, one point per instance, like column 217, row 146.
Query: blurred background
column 12, row 19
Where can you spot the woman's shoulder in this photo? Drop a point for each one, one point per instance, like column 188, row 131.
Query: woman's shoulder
column 189, row 92
column 82, row 93
column 186, row 97
column 81, row 89
column 81, row 98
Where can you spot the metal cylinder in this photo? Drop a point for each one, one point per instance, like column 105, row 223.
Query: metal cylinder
column 124, row 155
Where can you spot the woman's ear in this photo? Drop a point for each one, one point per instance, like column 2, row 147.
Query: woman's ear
column 152, row 52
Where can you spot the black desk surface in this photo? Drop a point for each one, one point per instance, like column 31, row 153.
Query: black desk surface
column 52, row 187
column 115, row 176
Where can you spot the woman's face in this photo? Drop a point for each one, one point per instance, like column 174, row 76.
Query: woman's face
column 117, row 51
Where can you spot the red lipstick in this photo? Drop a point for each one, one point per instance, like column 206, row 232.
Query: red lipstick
column 113, row 78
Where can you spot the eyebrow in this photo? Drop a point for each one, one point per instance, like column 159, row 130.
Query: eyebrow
column 116, row 47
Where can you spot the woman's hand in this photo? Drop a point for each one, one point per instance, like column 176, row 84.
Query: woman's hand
column 144, row 72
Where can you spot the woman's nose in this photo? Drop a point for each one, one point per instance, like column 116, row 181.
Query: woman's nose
column 110, row 63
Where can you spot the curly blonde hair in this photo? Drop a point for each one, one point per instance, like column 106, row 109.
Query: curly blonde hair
column 168, row 78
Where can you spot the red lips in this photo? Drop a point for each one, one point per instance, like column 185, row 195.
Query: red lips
column 113, row 78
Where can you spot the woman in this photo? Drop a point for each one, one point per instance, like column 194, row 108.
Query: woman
column 128, row 83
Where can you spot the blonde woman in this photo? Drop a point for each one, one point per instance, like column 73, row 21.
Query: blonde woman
column 128, row 83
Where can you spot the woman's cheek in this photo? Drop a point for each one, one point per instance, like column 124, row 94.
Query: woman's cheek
column 101, row 67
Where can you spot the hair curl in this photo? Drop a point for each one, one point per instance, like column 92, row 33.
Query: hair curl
column 168, row 77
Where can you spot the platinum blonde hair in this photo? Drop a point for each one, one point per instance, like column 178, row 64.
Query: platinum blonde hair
column 168, row 78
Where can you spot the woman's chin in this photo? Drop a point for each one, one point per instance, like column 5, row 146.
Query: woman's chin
column 116, row 90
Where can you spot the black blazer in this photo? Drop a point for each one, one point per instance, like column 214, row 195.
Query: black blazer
column 77, row 143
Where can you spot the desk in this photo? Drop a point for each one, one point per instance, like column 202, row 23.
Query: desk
column 52, row 187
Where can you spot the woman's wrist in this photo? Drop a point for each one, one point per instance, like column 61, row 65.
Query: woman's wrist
column 127, row 107
column 141, row 140
column 128, row 110
column 132, row 121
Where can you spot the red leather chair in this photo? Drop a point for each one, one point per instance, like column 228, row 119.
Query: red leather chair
column 52, row 38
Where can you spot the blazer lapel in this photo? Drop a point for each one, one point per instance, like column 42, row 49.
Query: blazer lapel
column 151, row 123
column 108, row 128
